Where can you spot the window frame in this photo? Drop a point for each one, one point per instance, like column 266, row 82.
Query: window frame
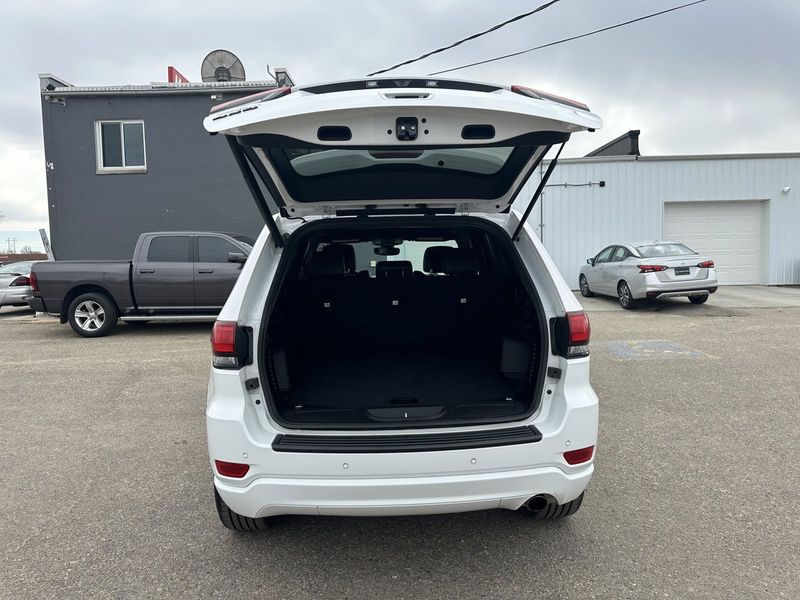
column 98, row 147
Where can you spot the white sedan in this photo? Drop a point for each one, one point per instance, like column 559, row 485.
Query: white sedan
column 655, row 269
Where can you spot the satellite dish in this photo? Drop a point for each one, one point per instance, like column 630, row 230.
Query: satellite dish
column 221, row 65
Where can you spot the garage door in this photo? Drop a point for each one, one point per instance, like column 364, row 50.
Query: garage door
column 728, row 232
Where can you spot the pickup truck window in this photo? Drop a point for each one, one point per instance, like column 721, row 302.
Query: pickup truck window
column 213, row 249
column 170, row 248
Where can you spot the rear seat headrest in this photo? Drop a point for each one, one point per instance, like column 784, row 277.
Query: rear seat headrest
column 433, row 259
column 326, row 264
column 346, row 251
column 391, row 269
column 460, row 261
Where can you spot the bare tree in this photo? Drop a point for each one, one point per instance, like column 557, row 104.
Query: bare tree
column 26, row 250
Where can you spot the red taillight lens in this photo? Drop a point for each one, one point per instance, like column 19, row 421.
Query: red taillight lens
column 34, row 282
column 651, row 268
column 575, row 457
column 231, row 469
column 706, row 264
column 223, row 337
column 20, row 281
column 579, row 328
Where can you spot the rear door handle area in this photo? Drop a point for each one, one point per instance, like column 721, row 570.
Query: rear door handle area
column 205, row 270
column 147, row 270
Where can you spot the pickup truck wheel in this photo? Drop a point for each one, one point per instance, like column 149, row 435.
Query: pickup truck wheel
column 235, row 521
column 92, row 315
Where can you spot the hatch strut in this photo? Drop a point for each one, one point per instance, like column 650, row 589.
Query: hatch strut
column 537, row 193
column 255, row 190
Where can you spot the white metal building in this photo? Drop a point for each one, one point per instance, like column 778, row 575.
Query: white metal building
column 742, row 210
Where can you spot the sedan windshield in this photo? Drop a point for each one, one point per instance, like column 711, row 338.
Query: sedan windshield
column 656, row 250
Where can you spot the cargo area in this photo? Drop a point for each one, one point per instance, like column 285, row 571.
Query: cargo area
column 405, row 327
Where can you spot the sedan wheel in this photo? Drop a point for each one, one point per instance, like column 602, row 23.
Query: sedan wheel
column 585, row 291
column 626, row 300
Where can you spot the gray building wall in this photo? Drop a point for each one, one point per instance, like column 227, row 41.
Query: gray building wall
column 192, row 181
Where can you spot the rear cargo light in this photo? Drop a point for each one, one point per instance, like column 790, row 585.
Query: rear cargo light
column 706, row 264
column 34, row 282
column 571, row 335
column 230, row 345
column 231, row 469
column 21, row 281
column 582, row 455
column 539, row 95
column 651, row 268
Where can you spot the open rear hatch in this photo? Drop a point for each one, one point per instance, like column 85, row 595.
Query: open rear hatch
column 395, row 146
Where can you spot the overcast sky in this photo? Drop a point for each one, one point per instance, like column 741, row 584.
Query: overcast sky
column 719, row 77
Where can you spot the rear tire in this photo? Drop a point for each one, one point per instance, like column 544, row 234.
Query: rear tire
column 92, row 315
column 554, row 511
column 698, row 299
column 625, row 296
column 584, row 285
column 235, row 521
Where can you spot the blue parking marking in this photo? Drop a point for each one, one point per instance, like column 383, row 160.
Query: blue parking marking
column 652, row 349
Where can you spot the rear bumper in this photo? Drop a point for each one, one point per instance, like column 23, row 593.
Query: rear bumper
column 18, row 295
column 264, row 496
column 36, row 304
column 705, row 291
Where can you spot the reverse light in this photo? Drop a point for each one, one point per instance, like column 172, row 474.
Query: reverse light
column 651, row 268
column 231, row 469
column 706, row 264
column 582, row 455
column 20, row 281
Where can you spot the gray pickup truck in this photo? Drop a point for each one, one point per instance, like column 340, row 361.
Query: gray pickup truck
column 184, row 275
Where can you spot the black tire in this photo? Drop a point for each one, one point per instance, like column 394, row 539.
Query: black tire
column 235, row 521
column 88, row 321
column 698, row 299
column 554, row 511
column 584, row 286
column 625, row 296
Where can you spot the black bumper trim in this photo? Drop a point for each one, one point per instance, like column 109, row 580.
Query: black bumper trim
column 376, row 444
column 37, row 304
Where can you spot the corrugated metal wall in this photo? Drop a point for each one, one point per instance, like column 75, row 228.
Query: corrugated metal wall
column 580, row 221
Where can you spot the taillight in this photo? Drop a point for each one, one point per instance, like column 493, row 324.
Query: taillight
column 34, row 282
column 571, row 334
column 651, row 268
column 582, row 455
column 230, row 345
column 706, row 264
column 231, row 469
column 539, row 95
column 20, row 281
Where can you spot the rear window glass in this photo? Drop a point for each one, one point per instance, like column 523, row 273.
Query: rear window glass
column 480, row 161
column 170, row 248
column 656, row 250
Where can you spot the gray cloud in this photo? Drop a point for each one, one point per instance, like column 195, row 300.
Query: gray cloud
column 717, row 77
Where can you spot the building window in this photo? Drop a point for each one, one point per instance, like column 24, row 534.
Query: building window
column 120, row 147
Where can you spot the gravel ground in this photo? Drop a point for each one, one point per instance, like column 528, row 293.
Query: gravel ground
column 107, row 488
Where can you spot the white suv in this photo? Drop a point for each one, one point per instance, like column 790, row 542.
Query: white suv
column 399, row 342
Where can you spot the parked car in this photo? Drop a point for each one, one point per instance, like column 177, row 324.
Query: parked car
column 454, row 379
column 653, row 269
column 185, row 275
column 15, row 283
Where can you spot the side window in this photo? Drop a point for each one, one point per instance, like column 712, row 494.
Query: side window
column 170, row 248
column 120, row 146
column 212, row 249
column 619, row 254
column 604, row 255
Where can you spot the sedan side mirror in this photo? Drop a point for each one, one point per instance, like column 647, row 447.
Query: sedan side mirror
column 590, row 261
column 237, row 257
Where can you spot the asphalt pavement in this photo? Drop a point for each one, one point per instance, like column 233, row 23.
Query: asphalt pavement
column 106, row 487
